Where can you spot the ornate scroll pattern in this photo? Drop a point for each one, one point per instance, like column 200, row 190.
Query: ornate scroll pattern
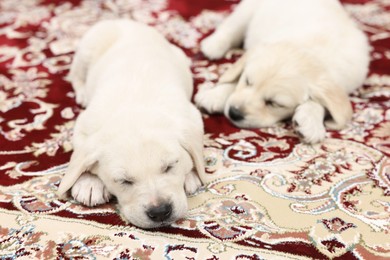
column 267, row 196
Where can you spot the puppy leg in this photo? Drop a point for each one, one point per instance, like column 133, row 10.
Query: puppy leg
column 213, row 99
column 192, row 183
column 91, row 47
column 230, row 33
column 90, row 190
column 308, row 121
column 78, row 75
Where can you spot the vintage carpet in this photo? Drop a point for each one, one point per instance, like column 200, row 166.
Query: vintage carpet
column 268, row 195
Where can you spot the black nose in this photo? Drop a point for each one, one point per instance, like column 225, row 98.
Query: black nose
column 235, row 114
column 160, row 213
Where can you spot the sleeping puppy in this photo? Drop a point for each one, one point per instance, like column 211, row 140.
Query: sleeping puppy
column 302, row 59
column 139, row 138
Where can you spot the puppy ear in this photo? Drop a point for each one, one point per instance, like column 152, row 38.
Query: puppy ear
column 192, row 141
column 336, row 101
column 80, row 162
column 233, row 73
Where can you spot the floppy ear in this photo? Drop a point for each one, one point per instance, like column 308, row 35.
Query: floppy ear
column 192, row 141
column 233, row 73
column 336, row 101
column 80, row 162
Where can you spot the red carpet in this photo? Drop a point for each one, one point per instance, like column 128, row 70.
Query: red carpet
column 269, row 196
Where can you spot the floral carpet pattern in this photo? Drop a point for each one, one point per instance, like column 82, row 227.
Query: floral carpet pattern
column 267, row 196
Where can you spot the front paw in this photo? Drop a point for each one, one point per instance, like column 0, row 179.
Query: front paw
column 308, row 130
column 214, row 47
column 81, row 97
column 213, row 99
column 90, row 190
column 192, row 183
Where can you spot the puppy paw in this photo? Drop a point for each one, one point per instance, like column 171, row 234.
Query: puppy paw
column 80, row 95
column 309, row 131
column 90, row 190
column 192, row 183
column 214, row 47
column 308, row 122
column 77, row 79
column 213, row 99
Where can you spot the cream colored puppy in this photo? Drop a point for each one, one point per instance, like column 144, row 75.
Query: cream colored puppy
column 139, row 138
column 302, row 59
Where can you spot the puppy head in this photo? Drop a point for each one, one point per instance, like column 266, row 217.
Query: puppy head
column 272, row 80
column 269, row 87
column 146, row 171
column 147, row 177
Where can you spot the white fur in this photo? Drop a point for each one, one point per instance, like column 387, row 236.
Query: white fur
column 139, row 138
column 90, row 190
column 297, row 51
column 208, row 94
column 307, row 120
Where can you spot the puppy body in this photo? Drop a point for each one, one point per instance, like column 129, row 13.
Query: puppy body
column 140, row 138
column 296, row 52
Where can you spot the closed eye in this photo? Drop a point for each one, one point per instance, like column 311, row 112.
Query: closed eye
column 127, row 182
column 167, row 168
column 272, row 103
column 248, row 82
